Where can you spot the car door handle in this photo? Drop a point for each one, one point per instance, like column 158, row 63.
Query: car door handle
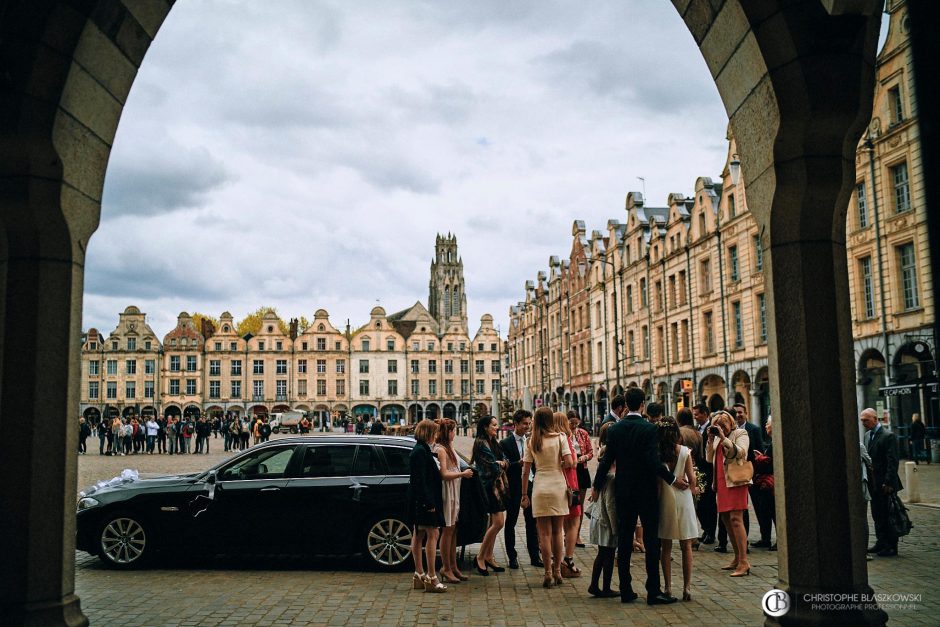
column 358, row 486
column 272, row 488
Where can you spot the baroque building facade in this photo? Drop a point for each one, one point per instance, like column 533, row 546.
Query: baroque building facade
column 403, row 366
column 672, row 300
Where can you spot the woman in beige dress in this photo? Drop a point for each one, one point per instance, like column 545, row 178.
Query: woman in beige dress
column 550, row 452
column 450, row 479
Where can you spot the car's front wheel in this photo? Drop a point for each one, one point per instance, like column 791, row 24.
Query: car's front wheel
column 124, row 541
column 388, row 543
column 293, row 429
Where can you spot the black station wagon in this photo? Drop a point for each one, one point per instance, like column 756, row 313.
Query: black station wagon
column 337, row 495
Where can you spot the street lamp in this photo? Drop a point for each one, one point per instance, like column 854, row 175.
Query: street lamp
column 734, row 168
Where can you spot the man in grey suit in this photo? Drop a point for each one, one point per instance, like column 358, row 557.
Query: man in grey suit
column 883, row 480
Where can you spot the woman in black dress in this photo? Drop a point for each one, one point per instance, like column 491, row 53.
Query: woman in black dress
column 491, row 465
column 426, row 507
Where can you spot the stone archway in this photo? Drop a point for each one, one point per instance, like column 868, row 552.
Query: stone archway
column 69, row 68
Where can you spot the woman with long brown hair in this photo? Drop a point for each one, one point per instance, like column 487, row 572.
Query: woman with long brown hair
column 572, row 523
column 490, row 462
column 551, row 453
column 425, row 505
column 677, row 519
column 450, row 478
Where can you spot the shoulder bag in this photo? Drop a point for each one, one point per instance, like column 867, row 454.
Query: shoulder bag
column 572, row 496
column 739, row 471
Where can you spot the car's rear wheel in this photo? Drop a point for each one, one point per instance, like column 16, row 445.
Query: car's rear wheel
column 124, row 541
column 388, row 543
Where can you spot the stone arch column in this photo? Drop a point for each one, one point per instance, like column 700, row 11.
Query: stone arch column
column 68, row 68
column 775, row 64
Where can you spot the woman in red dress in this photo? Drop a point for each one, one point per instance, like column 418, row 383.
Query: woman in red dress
column 728, row 444
column 573, row 519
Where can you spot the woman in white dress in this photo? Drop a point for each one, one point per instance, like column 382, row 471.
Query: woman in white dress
column 677, row 519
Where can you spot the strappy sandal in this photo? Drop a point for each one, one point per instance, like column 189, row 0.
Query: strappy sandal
column 567, row 564
column 431, row 584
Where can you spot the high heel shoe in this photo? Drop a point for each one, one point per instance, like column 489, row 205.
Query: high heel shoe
column 687, row 594
column 417, row 582
column 742, row 573
column 481, row 570
column 547, row 581
column 569, row 569
column 431, row 584
column 731, row 566
column 556, row 575
column 462, row 577
column 494, row 567
column 447, row 578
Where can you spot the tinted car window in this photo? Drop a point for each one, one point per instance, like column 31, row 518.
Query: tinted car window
column 397, row 459
column 329, row 460
column 269, row 463
column 368, row 463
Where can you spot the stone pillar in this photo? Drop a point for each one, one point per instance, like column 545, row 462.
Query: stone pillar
column 796, row 131
column 68, row 67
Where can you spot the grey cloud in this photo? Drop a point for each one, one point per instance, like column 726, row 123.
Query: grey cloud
column 166, row 178
column 451, row 103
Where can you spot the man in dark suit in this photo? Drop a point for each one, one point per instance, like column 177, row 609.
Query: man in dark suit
column 707, row 507
column 617, row 407
column 882, row 447
column 514, row 448
column 632, row 444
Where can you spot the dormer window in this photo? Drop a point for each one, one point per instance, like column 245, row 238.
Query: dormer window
column 183, row 341
column 270, row 328
column 260, row 345
column 225, row 328
column 131, row 344
column 321, row 328
column 365, row 345
column 114, row 346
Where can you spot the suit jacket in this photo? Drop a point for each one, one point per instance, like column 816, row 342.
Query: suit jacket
column 755, row 439
column 883, row 450
column 632, row 444
column 514, row 471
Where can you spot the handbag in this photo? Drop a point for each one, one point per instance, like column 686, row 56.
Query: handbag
column 897, row 517
column 739, row 473
column 572, row 496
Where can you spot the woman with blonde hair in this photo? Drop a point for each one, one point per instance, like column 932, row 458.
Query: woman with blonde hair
column 572, row 522
column 450, row 478
column 727, row 445
column 425, row 507
column 550, row 451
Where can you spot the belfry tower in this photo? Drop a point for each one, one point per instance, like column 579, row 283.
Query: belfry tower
column 447, row 298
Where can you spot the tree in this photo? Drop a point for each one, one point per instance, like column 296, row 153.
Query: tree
column 303, row 324
column 199, row 317
column 252, row 322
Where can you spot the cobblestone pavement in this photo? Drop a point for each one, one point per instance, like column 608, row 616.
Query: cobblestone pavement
column 340, row 592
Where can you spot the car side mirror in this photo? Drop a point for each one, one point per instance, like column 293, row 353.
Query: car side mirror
column 211, row 480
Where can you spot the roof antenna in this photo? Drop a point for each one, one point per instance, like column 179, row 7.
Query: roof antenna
column 644, row 185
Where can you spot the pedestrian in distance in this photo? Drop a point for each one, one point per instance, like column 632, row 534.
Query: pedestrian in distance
column 172, row 429
column 84, row 432
column 677, row 520
column 425, row 507
column 103, row 430
column 549, row 451
column 884, row 481
column 762, row 496
column 161, row 435
column 451, row 475
column 918, row 435
column 151, row 434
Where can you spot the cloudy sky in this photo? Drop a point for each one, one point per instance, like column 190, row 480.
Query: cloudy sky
column 305, row 154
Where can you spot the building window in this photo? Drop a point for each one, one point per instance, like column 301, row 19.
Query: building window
column 131, row 344
column 494, row 388
column 448, row 387
column 390, row 344
column 302, row 387
column 738, row 324
column 494, row 366
column 762, row 308
column 415, row 387
column 93, row 390
column 114, row 345
column 321, row 366
column 302, row 366
column 257, row 366
column 365, row 345
column 218, row 346
column 629, row 299
column 363, row 388
column 281, row 366
column 707, row 323
column 868, row 292
column 190, row 387
column 147, row 345
column 430, row 346
column 236, row 367
column 896, row 105
column 233, row 346
column 215, row 389
column 464, row 387
column 861, row 202
column 174, row 387
column 414, row 366
column 111, row 390
column 279, row 346
column 363, row 366
column 393, row 387
column 340, row 387
column 321, row 343
column 338, row 345
column 464, row 366
column 340, row 366
column 902, row 193
column 646, row 341
column 281, row 389
column 685, row 340
column 191, row 363
column 174, row 363
column 257, row 390
column 733, row 263
column 481, row 386
column 631, row 346
column 148, row 389
column 236, row 389
column 432, row 388
column 732, row 209
column 432, row 366
column 644, row 300
column 215, row 367
column 392, row 366
column 261, row 345
column 705, row 275
column 94, row 367
column 758, row 255
column 909, row 292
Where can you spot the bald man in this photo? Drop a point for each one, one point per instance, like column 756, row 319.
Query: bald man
column 882, row 447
